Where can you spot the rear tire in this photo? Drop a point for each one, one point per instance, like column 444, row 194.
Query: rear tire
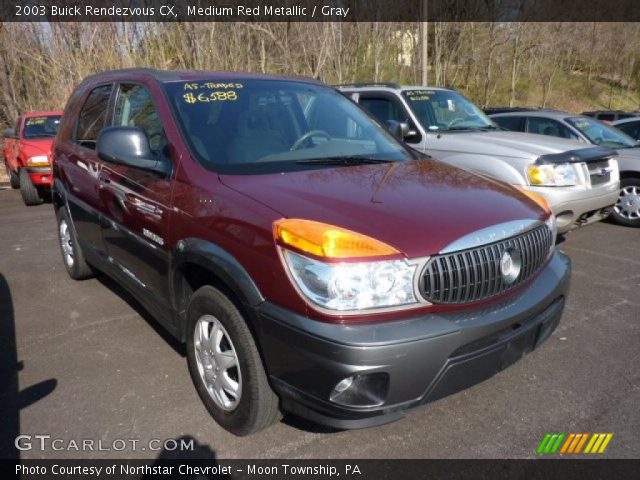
column 226, row 367
column 72, row 256
column 14, row 181
column 30, row 194
column 627, row 209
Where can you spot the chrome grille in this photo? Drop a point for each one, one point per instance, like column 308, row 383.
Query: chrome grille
column 474, row 274
column 599, row 172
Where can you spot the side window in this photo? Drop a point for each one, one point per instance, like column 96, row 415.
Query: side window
column 546, row 126
column 17, row 127
column 632, row 129
column 92, row 117
column 605, row 117
column 515, row 124
column 135, row 108
column 384, row 109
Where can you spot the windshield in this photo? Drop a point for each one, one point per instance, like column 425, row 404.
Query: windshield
column 46, row 126
column 601, row 133
column 263, row 126
column 444, row 110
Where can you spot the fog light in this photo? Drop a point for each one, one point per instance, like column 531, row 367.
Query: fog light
column 343, row 385
column 361, row 390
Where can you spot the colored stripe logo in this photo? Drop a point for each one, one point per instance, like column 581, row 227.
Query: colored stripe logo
column 574, row 443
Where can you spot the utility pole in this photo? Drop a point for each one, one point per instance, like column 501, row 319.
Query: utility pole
column 424, row 35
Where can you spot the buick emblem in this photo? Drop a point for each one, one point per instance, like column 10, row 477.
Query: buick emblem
column 510, row 265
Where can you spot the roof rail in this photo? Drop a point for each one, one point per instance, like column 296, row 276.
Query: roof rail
column 369, row 84
column 153, row 72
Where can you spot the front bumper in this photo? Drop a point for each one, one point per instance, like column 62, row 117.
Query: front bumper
column 40, row 176
column 424, row 357
column 575, row 206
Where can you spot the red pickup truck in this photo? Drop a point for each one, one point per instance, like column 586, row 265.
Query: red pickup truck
column 26, row 152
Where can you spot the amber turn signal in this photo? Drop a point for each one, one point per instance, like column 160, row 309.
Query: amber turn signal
column 324, row 240
column 536, row 197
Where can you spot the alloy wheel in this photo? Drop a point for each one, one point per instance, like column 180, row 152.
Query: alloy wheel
column 66, row 243
column 218, row 363
column 628, row 204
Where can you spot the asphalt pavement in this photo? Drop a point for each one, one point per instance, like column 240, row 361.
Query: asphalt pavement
column 81, row 361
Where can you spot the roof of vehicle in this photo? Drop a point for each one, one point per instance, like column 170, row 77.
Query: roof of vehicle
column 41, row 114
column 495, row 110
column 596, row 112
column 386, row 85
column 546, row 113
column 626, row 120
column 165, row 76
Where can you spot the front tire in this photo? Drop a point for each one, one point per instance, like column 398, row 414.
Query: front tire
column 14, row 181
column 30, row 194
column 72, row 256
column 626, row 211
column 225, row 365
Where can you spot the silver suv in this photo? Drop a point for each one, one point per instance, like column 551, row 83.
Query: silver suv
column 589, row 130
column 580, row 183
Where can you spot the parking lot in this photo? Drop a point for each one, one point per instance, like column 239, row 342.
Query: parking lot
column 81, row 360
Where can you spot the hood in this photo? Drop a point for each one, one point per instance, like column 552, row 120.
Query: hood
column 36, row 146
column 629, row 159
column 503, row 144
column 418, row 207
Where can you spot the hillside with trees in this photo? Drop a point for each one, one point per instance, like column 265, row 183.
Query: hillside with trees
column 572, row 66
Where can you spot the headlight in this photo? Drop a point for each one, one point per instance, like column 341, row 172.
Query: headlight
column 341, row 270
column 38, row 161
column 354, row 285
column 560, row 175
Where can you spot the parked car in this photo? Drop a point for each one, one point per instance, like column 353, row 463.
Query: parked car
column 26, row 154
column 311, row 263
column 588, row 130
column 447, row 126
column 630, row 126
column 608, row 116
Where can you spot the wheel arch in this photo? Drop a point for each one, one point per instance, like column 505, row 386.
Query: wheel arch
column 196, row 263
column 58, row 197
column 629, row 174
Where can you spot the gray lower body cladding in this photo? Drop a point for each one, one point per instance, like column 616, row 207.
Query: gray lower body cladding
column 419, row 359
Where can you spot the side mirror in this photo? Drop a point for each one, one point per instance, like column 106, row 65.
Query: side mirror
column 400, row 130
column 129, row 146
column 9, row 133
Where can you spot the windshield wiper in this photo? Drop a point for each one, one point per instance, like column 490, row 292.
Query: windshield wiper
column 346, row 160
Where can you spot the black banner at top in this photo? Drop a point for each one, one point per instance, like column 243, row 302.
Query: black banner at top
column 319, row 10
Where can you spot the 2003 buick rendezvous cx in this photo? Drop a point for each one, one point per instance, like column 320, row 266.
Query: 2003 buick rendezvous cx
column 311, row 263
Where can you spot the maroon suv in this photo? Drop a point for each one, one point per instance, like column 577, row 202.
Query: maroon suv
column 310, row 262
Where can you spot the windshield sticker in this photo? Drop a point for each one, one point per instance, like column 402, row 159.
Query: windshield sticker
column 36, row 121
column 450, row 105
column 212, row 86
column 208, row 97
column 581, row 124
column 207, row 92
column 419, row 95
